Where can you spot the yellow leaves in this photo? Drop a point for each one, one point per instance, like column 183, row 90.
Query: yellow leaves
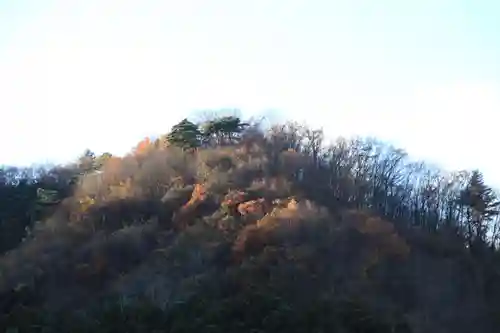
column 121, row 191
column 85, row 203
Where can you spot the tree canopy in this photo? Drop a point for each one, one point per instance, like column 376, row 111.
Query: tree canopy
column 245, row 229
column 185, row 134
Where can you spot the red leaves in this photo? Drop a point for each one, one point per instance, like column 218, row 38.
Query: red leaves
column 143, row 147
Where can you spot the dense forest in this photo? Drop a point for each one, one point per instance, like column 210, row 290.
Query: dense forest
column 226, row 226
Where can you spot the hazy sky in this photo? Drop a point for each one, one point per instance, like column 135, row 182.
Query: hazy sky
column 104, row 73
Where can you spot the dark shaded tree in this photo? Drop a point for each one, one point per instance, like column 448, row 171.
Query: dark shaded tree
column 185, row 135
column 223, row 130
column 481, row 206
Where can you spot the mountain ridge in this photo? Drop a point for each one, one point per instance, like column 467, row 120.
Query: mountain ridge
column 223, row 226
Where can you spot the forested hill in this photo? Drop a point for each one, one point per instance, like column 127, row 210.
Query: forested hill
column 225, row 227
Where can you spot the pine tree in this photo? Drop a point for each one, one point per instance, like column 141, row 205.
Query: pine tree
column 223, row 129
column 185, row 135
column 481, row 206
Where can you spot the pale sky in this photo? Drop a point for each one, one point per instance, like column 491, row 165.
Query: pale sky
column 102, row 74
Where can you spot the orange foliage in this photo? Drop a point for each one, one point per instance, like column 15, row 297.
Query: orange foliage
column 143, row 146
column 198, row 196
column 254, row 207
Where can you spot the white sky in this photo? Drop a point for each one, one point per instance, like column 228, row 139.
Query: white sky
column 103, row 74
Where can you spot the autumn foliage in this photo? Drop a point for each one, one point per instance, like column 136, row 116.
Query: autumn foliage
column 225, row 227
column 143, row 146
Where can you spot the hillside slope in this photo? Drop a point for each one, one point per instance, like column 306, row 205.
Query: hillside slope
column 224, row 227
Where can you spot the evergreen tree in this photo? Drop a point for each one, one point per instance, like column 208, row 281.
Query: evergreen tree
column 224, row 129
column 185, row 135
column 481, row 205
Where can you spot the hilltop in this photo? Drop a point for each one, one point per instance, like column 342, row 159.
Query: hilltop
column 223, row 226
